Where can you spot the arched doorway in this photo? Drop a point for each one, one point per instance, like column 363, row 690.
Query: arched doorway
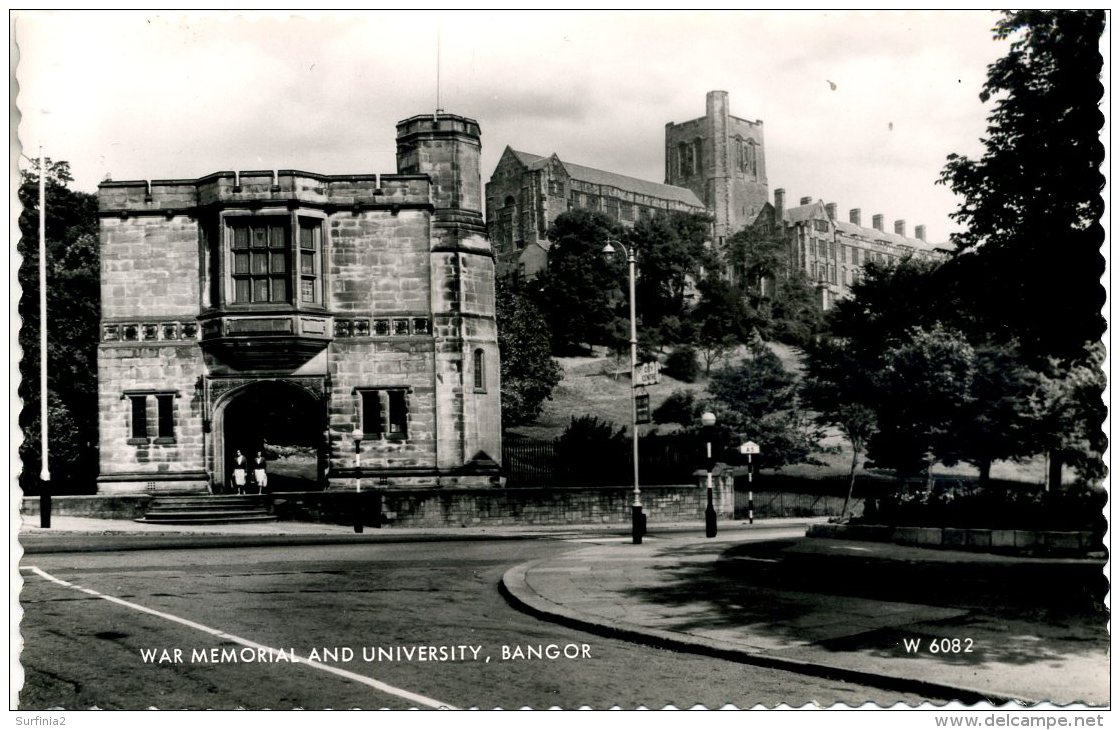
column 284, row 422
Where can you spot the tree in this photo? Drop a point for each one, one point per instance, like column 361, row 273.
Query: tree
column 755, row 254
column 580, row 291
column 842, row 393
column 1005, row 412
column 1029, row 259
column 925, row 386
column 1072, row 412
column 722, row 320
column 757, row 400
column 887, row 302
column 73, row 312
column 1031, row 204
column 528, row 371
column 795, row 313
column 671, row 255
column 786, row 304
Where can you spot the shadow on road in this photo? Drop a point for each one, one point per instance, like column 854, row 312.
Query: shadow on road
column 1012, row 614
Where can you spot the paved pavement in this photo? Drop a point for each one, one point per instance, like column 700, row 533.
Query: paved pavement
column 712, row 596
column 677, row 592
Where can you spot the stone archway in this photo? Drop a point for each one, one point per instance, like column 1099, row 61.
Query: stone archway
column 282, row 419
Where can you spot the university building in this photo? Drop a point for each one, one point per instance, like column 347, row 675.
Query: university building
column 348, row 316
column 715, row 164
column 832, row 252
column 527, row 192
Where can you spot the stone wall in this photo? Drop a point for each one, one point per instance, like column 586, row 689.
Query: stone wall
column 114, row 507
column 379, row 263
column 131, row 370
column 377, row 363
column 472, row 507
column 978, row 540
column 149, row 267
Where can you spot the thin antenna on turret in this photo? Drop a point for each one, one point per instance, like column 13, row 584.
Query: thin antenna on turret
column 439, row 39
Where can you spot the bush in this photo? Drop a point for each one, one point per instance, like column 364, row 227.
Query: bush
column 966, row 505
column 680, row 407
column 591, row 449
column 682, row 364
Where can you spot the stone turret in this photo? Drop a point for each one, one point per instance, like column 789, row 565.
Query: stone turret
column 448, row 149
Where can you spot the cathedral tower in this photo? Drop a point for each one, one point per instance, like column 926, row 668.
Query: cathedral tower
column 722, row 159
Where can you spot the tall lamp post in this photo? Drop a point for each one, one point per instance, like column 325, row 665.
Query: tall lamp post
column 44, row 447
column 638, row 524
column 358, row 526
column 708, row 420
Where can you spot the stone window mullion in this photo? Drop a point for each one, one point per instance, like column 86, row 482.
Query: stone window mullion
column 295, row 275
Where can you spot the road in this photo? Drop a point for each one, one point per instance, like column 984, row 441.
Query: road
column 382, row 601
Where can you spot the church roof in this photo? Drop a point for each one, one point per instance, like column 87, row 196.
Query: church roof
column 613, row 179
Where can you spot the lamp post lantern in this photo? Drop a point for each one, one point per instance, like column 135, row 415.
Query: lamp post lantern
column 358, row 525
column 638, row 523
column 708, row 420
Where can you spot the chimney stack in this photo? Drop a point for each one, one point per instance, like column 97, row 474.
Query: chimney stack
column 900, row 228
column 920, row 232
column 806, row 200
column 877, row 221
column 779, row 203
column 853, row 216
column 831, row 210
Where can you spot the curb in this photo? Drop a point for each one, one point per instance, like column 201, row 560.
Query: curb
column 85, row 543
column 515, row 589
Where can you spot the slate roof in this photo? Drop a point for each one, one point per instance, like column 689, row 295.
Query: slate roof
column 612, row 179
column 802, row 213
column 874, row 234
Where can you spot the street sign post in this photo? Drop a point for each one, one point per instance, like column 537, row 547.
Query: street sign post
column 750, row 448
column 641, row 402
column 648, row 373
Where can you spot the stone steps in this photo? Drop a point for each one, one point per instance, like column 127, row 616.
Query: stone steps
column 208, row 510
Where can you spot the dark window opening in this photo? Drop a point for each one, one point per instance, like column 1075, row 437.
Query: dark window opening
column 139, row 428
column 165, row 404
column 479, row 371
column 384, row 413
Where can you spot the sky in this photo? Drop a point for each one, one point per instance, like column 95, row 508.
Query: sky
column 859, row 108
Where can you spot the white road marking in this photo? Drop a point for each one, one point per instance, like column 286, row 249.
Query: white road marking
column 362, row 679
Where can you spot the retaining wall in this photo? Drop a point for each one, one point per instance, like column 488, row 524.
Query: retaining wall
column 1011, row 541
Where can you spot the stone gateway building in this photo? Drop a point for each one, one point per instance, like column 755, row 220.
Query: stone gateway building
column 347, row 319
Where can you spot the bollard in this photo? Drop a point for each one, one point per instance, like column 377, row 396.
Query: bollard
column 359, row 523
